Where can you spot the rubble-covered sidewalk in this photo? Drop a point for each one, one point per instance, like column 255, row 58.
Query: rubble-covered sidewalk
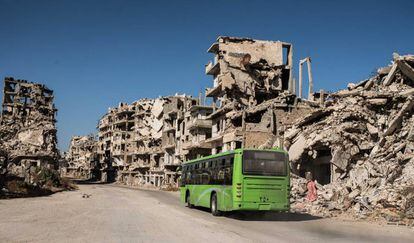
column 360, row 148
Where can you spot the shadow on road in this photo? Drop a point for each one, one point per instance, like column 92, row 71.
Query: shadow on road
column 89, row 182
column 271, row 216
column 264, row 215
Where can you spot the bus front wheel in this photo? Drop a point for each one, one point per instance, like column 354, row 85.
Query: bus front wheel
column 213, row 206
column 187, row 198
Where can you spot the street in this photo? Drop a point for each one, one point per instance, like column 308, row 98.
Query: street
column 117, row 214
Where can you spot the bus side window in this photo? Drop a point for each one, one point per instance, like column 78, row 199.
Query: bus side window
column 229, row 171
column 214, row 172
column 183, row 173
column 200, row 173
column 205, row 177
column 188, row 177
column 221, row 171
column 193, row 174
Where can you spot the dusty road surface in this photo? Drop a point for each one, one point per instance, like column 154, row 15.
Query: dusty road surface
column 116, row 214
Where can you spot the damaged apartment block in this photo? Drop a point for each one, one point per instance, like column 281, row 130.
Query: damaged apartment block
column 27, row 131
column 145, row 142
column 81, row 158
column 253, row 93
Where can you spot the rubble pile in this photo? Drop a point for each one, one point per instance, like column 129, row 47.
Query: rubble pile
column 359, row 148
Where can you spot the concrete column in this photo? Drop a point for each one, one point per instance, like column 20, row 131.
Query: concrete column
column 232, row 145
column 244, row 121
column 300, row 78
column 290, row 63
column 322, row 97
column 310, row 94
column 225, row 147
column 294, row 86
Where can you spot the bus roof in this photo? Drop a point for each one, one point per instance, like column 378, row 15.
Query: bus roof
column 233, row 152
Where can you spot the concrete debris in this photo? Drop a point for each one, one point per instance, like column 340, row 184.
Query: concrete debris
column 359, row 147
column 27, row 129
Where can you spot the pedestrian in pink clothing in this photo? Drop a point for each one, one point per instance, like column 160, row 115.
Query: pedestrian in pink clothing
column 311, row 186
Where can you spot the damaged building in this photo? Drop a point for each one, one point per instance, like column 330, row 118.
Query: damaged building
column 143, row 143
column 27, row 127
column 253, row 101
column 360, row 147
column 81, row 158
column 253, row 93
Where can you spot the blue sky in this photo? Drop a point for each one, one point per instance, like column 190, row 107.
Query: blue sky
column 94, row 54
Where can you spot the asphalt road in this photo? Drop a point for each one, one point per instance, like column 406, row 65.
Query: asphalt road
column 117, row 214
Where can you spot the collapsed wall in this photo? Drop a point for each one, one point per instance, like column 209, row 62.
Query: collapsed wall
column 359, row 148
column 27, row 128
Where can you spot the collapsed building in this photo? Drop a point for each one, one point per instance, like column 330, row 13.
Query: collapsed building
column 359, row 147
column 253, row 93
column 81, row 158
column 27, row 127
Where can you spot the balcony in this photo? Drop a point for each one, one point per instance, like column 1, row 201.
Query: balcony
column 212, row 68
column 199, row 123
column 196, row 145
column 174, row 162
column 168, row 128
column 213, row 92
column 169, row 145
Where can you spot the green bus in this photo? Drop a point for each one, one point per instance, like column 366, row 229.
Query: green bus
column 242, row 179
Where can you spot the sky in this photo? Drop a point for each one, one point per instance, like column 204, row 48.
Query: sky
column 95, row 54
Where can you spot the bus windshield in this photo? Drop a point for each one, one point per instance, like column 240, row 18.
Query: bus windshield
column 265, row 163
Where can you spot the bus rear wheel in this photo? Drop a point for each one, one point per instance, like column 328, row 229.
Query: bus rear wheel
column 213, row 206
column 187, row 198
